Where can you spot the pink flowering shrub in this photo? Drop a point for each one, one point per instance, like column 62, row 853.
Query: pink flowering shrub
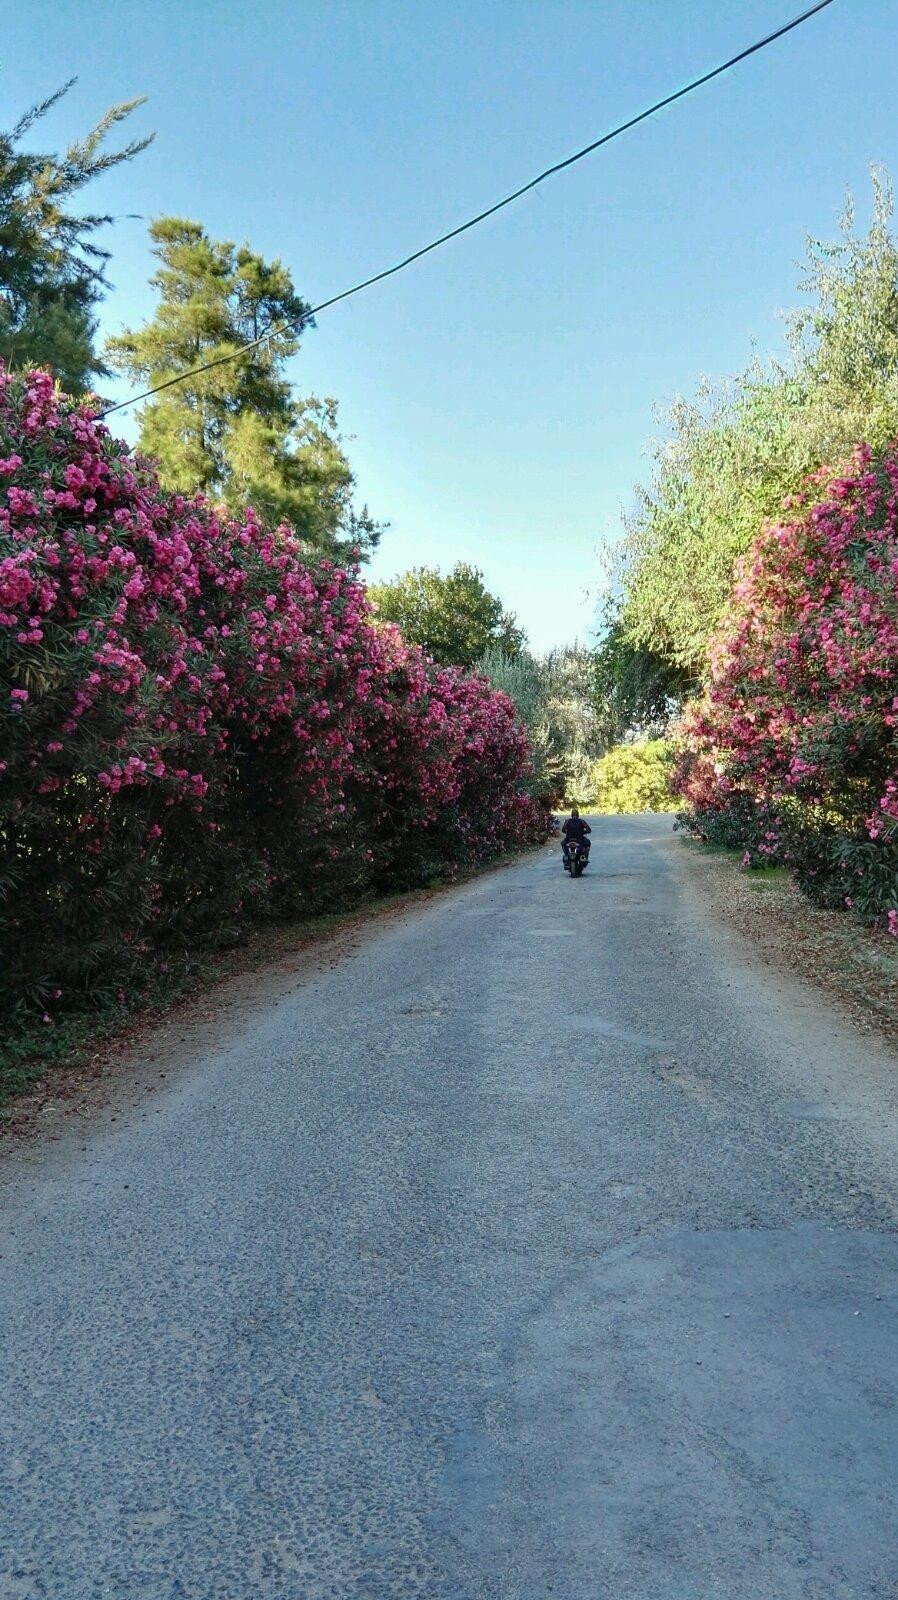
column 199, row 728
column 792, row 753
column 443, row 767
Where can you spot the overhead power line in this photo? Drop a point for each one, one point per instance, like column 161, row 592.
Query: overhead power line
column 472, row 222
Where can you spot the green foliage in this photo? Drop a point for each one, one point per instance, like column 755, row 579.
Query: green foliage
column 454, row 618
column 837, row 867
column 734, row 453
column 237, row 432
column 522, row 678
column 571, row 716
column 519, row 676
column 52, row 271
column 636, row 692
column 634, row 777
column 553, row 696
column 741, row 824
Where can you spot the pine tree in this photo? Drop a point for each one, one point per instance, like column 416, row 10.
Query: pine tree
column 236, row 430
column 52, row 271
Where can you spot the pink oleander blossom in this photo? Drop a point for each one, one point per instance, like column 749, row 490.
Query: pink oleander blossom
column 206, row 707
column 800, row 713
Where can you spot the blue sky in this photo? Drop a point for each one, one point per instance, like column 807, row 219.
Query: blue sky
column 499, row 396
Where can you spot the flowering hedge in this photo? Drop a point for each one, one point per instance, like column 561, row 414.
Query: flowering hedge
column 198, row 727
column 792, row 753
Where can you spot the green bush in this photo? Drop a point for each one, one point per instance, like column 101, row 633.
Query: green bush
column 634, row 777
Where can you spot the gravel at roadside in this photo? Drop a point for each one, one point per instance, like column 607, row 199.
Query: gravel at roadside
column 857, row 967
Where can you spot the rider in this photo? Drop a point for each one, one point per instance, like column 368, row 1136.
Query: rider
column 575, row 828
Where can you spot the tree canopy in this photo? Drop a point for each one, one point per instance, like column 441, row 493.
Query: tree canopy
column 237, row 431
column 454, row 618
column 52, row 269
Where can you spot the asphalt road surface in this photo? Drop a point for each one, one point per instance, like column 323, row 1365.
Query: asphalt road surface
column 543, row 1246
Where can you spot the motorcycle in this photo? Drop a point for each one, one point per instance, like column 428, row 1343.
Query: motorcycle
column 575, row 858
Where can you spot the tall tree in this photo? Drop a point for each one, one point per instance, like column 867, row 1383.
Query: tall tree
column 237, row 431
column 453, row 618
column 52, row 270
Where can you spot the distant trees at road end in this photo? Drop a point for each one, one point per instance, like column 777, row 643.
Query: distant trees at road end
column 634, row 777
column 555, row 699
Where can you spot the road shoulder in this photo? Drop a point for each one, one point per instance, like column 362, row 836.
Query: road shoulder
column 854, row 968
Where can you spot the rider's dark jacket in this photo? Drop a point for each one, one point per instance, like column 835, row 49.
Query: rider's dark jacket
column 575, row 828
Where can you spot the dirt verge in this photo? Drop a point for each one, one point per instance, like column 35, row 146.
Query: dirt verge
column 857, row 967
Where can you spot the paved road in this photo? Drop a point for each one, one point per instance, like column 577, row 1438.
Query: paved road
column 539, row 1248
